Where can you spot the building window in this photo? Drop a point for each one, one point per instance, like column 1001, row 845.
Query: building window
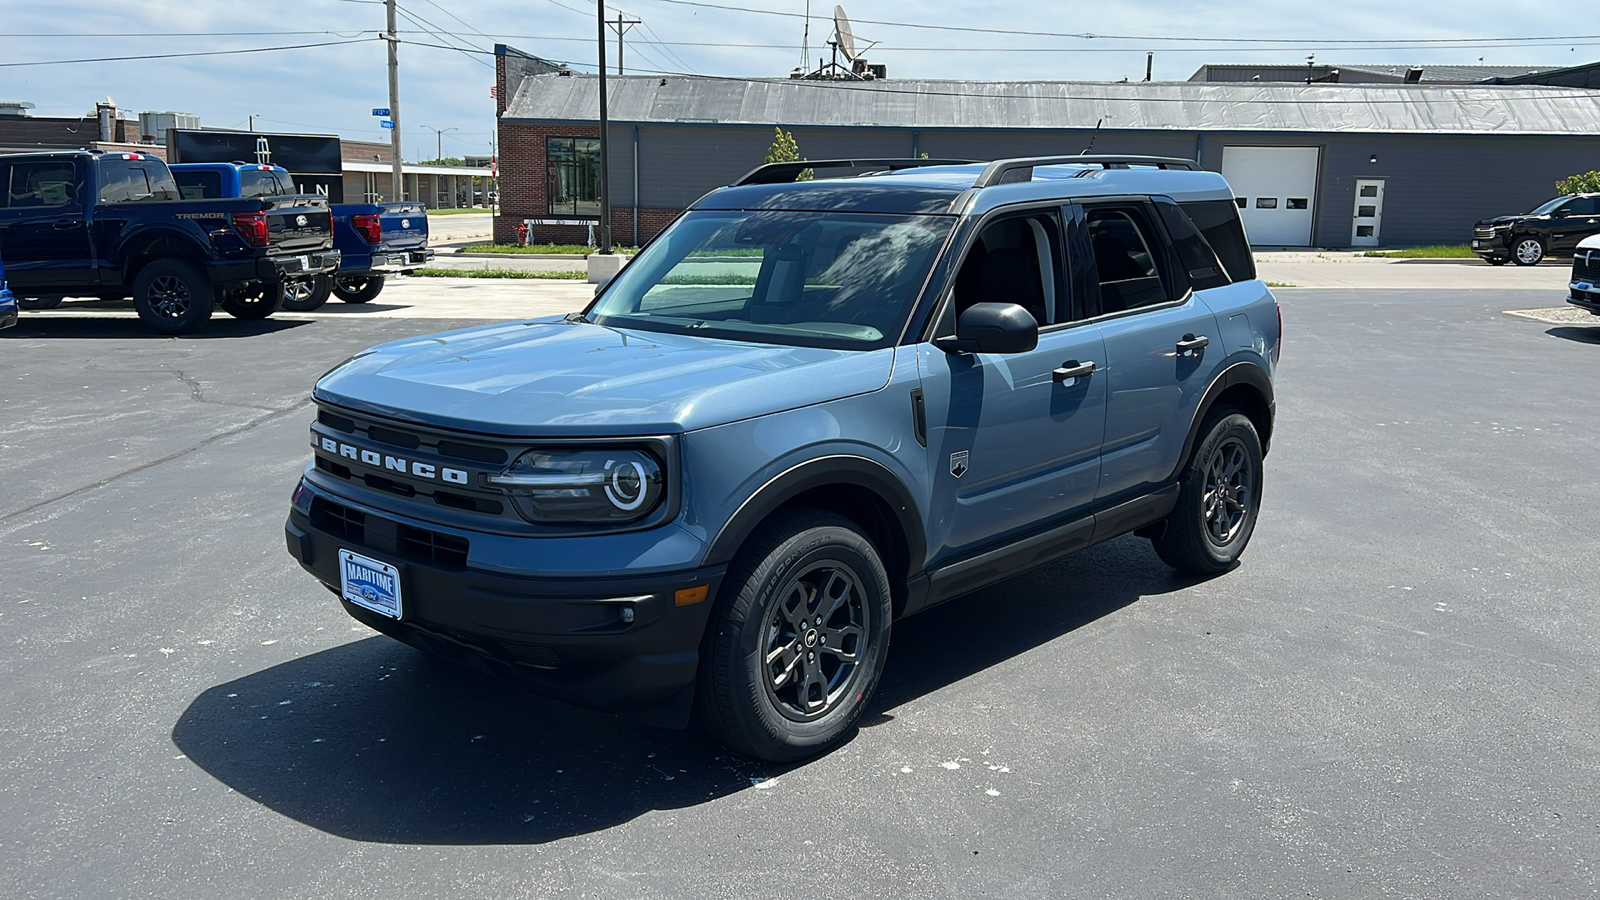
column 573, row 166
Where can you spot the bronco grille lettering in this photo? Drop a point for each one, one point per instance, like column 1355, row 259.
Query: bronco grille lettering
column 391, row 463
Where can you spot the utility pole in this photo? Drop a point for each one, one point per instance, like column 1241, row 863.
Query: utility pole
column 621, row 26
column 605, row 154
column 438, row 140
column 392, row 36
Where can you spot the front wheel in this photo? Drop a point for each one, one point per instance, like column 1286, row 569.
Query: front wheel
column 357, row 288
column 1528, row 251
column 173, row 296
column 1219, row 497
column 797, row 646
column 304, row 294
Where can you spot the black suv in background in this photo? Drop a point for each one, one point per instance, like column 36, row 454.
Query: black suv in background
column 1555, row 228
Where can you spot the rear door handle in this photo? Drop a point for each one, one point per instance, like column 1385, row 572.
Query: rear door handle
column 1072, row 369
column 64, row 224
column 1193, row 344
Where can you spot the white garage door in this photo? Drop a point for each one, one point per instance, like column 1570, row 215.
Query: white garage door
column 1276, row 188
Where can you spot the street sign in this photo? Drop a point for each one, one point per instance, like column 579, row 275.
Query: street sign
column 386, row 123
column 380, row 112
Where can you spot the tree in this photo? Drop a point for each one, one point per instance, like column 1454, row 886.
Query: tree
column 1585, row 183
column 785, row 149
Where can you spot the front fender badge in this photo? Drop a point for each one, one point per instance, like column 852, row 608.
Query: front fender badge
column 958, row 463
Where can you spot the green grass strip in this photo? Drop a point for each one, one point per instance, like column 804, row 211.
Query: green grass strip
column 435, row 272
column 1437, row 251
column 546, row 249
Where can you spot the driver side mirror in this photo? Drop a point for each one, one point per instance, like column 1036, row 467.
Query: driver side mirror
column 993, row 328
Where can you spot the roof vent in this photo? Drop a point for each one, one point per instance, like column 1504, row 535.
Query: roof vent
column 15, row 108
column 1414, row 75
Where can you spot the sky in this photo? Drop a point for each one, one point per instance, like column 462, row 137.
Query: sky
column 333, row 89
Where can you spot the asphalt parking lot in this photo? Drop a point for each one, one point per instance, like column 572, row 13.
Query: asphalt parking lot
column 1393, row 695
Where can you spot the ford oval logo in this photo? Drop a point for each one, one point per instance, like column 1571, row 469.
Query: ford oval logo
column 405, row 223
column 301, row 221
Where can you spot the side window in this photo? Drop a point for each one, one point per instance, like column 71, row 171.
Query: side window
column 122, row 181
column 42, row 184
column 1125, row 248
column 199, row 185
column 1195, row 255
column 1583, row 206
column 1013, row 260
column 1218, row 221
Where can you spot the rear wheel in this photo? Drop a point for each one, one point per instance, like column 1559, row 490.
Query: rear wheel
column 305, row 294
column 357, row 288
column 173, row 296
column 1527, row 251
column 47, row 302
column 251, row 303
column 797, row 645
column 1219, row 497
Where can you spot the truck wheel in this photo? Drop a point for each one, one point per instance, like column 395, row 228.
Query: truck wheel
column 1219, row 497
column 357, row 288
column 304, row 294
column 1527, row 251
column 49, row 302
column 173, row 296
column 252, row 303
column 797, row 643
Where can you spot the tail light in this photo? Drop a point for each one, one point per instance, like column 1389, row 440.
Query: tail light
column 368, row 227
column 252, row 226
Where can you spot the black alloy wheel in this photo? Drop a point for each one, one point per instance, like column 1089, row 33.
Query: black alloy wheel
column 173, row 296
column 797, row 640
column 1219, row 497
column 357, row 288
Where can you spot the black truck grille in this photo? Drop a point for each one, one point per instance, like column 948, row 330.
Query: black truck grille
column 1586, row 266
column 1483, row 234
column 412, row 543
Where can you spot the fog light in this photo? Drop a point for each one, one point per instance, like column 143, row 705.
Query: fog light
column 626, row 615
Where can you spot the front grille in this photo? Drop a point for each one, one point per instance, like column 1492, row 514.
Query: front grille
column 340, row 520
column 474, row 452
column 432, row 547
column 336, row 421
column 393, row 438
column 1587, row 269
column 1483, row 234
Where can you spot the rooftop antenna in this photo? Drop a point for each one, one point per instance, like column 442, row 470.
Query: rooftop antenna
column 805, row 40
column 1092, row 135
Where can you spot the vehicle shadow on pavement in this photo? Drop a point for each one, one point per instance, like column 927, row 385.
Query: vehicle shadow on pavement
column 972, row 633
column 128, row 328
column 375, row 741
column 1581, row 334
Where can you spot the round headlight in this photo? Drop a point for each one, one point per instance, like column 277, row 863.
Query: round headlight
column 598, row 485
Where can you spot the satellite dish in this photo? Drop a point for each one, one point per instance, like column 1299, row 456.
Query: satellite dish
column 847, row 38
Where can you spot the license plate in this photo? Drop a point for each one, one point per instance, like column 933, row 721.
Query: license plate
column 369, row 583
column 1477, row 244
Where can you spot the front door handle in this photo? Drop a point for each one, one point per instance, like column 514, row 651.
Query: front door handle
column 1072, row 369
column 65, row 224
column 1193, row 344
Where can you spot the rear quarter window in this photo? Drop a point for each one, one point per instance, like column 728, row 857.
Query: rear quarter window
column 1198, row 260
column 1218, row 221
column 199, row 185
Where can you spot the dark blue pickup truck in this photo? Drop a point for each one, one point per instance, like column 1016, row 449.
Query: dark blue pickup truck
column 87, row 223
column 375, row 240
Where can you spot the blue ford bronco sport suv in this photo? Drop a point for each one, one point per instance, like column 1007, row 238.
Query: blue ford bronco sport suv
column 804, row 411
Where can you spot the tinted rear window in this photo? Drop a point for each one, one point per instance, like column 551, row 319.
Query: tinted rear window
column 1194, row 252
column 131, row 180
column 1219, row 221
column 258, row 183
column 199, row 185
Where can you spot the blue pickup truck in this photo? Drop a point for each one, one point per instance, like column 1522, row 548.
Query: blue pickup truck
column 375, row 240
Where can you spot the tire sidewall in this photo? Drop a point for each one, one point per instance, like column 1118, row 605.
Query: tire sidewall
column 1230, row 426
column 775, row 735
column 202, row 296
column 371, row 286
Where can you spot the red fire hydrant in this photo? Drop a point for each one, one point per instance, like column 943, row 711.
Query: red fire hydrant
column 522, row 233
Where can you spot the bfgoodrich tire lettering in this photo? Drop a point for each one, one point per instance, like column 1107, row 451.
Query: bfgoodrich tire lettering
column 1219, row 497
column 797, row 642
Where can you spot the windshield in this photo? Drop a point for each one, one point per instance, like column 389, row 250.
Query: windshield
column 815, row 279
column 1549, row 207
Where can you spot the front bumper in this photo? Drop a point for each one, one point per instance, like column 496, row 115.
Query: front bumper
column 8, row 309
column 564, row 638
column 1491, row 248
column 393, row 262
column 1584, row 296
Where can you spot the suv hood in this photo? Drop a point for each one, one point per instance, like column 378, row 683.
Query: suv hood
column 554, row 377
column 1510, row 220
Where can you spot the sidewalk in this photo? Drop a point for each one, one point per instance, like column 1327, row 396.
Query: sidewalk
column 1344, row 269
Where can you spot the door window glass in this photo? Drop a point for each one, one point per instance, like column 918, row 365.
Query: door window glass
column 1583, row 206
column 1013, row 261
column 42, row 184
column 1125, row 259
column 126, row 181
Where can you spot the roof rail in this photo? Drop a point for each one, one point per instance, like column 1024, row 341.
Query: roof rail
column 785, row 172
column 1005, row 171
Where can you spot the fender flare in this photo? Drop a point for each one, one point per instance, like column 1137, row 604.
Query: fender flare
column 823, row 471
column 1243, row 372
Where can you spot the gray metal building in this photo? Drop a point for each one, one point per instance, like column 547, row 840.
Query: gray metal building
column 1321, row 165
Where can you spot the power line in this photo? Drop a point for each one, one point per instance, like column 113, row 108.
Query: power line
column 1580, row 41
column 417, row 20
column 59, row 62
column 144, row 34
column 1089, row 36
